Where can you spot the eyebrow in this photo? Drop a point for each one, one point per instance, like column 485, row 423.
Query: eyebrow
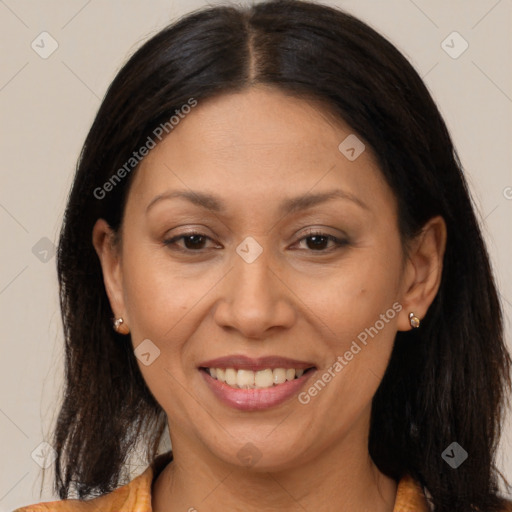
column 290, row 205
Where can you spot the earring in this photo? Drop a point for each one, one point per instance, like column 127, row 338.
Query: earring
column 120, row 326
column 414, row 320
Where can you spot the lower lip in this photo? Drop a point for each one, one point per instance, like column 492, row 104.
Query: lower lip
column 255, row 399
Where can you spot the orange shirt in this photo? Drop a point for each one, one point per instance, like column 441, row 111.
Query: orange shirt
column 136, row 496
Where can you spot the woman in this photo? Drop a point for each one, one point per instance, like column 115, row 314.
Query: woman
column 270, row 249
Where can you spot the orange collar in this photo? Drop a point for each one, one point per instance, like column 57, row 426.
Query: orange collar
column 136, row 495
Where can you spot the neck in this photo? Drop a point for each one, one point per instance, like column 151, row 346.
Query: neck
column 344, row 475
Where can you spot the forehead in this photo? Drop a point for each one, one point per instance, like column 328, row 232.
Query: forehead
column 259, row 143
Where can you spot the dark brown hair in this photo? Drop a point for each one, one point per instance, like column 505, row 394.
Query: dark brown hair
column 445, row 381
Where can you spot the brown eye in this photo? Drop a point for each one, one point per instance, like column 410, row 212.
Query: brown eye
column 319, row 242
column 194, row 241
column 191, row 242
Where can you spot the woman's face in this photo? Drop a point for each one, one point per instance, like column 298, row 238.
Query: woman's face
column 295, row 263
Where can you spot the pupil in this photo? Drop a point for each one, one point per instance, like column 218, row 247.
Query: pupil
column 195, row 241
column 318, row 241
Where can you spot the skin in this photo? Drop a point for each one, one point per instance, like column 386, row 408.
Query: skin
column 253, row 150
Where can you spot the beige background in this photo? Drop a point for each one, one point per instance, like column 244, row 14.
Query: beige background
column 48, row 105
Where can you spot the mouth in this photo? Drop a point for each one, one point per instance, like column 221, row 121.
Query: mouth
column 249, row 379
column 255, row 384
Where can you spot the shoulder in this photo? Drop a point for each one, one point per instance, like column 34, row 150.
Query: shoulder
column 411, row 495
column 134, row 496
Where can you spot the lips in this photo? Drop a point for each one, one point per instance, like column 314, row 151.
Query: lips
column 240, row 362
column 255, row 384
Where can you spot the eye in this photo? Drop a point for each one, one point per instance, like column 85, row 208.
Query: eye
column 317, row 241
column 193, row 242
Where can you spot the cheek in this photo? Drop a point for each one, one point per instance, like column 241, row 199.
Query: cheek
column 357, row 314
column 157, row 294
column 355, row 295
column 163, row 307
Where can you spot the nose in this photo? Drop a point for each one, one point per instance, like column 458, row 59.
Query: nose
column 255, row 298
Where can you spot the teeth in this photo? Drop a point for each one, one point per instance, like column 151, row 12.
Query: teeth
column 244, row 379
column 279, row 375
column 247, row 379
column 231, row 377
column 264, row 378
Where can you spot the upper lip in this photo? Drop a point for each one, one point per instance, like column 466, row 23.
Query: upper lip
column 242, row 362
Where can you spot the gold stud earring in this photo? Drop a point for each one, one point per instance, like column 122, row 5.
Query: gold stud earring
column 414, row 321
column 120, row 326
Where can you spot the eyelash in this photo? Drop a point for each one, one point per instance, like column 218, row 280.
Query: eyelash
column 337, row 241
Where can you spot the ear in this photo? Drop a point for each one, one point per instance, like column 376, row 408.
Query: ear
column 423, row 271
column 108, row 250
